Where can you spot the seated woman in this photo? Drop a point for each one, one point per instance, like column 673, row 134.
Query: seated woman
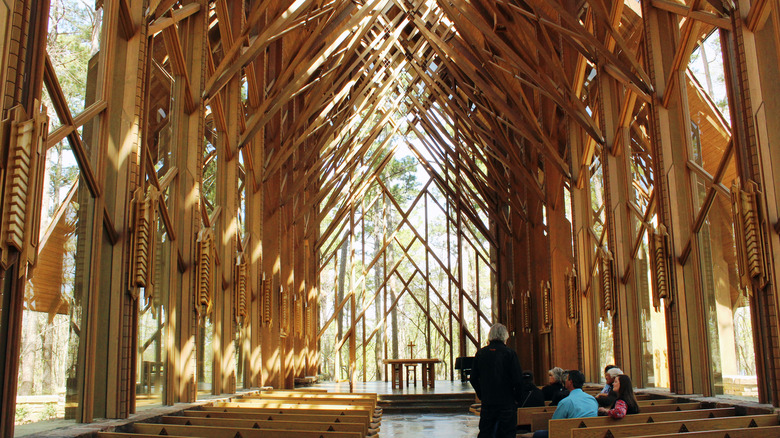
column 555, row 390
column 626, row 400
column 530, row 396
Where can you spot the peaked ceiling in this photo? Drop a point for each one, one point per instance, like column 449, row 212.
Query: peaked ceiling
column 500, row 78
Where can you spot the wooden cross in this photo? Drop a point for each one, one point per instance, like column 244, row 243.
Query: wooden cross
column 411, row 351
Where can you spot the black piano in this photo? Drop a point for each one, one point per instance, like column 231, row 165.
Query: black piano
column 464, row 364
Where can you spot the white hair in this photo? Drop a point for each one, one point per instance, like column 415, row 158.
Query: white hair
column 614, row 372
column 498, row 333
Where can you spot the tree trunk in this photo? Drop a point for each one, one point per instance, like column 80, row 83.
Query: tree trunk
column 391, row 283
column 377, row 298
column 27, row 363
column 339, row 298
column 47, row 333
column 707, row 75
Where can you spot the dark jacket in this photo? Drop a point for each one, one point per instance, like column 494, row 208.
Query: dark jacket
column 496, row 375
column 554, row 392
column 530, row 397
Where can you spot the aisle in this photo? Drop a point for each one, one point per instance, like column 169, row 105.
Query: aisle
column 429, row 425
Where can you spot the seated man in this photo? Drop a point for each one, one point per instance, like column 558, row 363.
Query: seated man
column 606, row 398
column 577, row 404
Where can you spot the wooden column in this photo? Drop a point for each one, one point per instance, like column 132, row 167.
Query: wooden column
column 255, row 215
column 121, row 172
column 299, row 269
column 22, row 50
column 617, row 175
column 270, row 333
column 585, row 244
column 226, row 229
column 751, row 54
column 310, row 265
column 524, row 341
column 561, row 262
column 287, row 255
column 187, row 130
column 539, row 265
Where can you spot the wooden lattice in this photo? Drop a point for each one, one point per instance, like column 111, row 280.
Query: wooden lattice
column 749, row 239
column 607, row 294
column 510, row 308
column 298, row 308
column 242, row 270
column 284, row 302
column 205, row 249
column 266, row 302
column 572, row 296
column 143, row 227
column 546, row 305
column 24, row 138
column 527, row 311
column 659, row 249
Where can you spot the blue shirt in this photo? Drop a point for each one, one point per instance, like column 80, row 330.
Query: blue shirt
column 577, row 404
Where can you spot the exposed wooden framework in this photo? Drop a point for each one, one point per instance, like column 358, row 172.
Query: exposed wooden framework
column 227, row 153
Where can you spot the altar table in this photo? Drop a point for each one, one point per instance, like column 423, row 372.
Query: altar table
column 428, row 371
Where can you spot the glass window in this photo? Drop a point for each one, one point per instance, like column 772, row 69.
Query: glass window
column 205, row 352
column 152, row 316
column 655, row 359
column 50, row 363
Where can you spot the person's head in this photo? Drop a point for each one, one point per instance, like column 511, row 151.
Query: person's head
column 556, row 375
column 498, row 333
column 528, row 378
column 608, row 367
column 611, row 374
column 624, row 389
column 622, row 385
column 575, row 380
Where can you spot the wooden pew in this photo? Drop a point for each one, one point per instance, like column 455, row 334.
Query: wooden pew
column 641, row 398
column 539, row 420
column 280, row 408
column 291, row 414
column 307, row 393
column 133, row 435
column 618, row 430
column 331, row 400
column 750, row 432
column 273, row 414
column 524, row 415
column 232, row 432
column 563, row 426
column 295, row 391
column 277, row 424
column 287, row 405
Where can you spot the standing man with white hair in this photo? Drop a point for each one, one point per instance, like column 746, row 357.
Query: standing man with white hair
column 497, row 378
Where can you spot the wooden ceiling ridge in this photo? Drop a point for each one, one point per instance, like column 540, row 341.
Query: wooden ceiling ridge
column 345, row 92
column 329, row 45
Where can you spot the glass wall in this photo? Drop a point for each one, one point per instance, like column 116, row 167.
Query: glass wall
column 205, row 354
column 55, row 301
column 726, row 305
column 655, row 353
column 152, row 317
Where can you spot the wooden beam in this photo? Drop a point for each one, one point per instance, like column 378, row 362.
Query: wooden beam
column 176, row 16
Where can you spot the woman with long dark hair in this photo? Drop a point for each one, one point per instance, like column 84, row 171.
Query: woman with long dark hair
column 626, row 400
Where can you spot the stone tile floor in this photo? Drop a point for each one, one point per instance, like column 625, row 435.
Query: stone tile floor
column 429, row 425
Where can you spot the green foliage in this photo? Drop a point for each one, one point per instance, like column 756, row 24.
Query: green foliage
column 70, row 46
column 49, row 412
column 22, row 414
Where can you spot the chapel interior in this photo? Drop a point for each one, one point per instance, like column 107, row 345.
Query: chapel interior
column 204, row 199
